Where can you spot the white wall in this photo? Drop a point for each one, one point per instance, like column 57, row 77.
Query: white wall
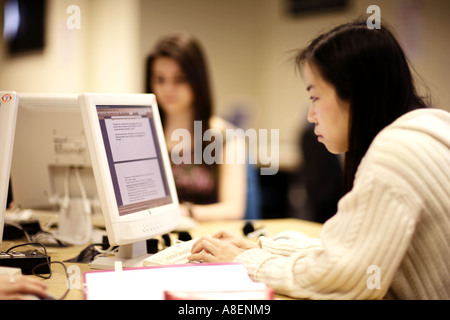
column 247, row 42
column 113, row 59
column 101, row 56
column 58, row 68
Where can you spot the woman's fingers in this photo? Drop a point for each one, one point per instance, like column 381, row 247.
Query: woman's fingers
column 209, row 249
column 205, row 243
column 204, row 250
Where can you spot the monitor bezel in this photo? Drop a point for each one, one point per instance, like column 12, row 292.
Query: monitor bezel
column 143, row 224
column 8, row 119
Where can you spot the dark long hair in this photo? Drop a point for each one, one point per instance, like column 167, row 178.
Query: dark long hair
column 187, row 51
column 369, row 69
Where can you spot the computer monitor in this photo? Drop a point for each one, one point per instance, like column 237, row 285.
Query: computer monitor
column 8, row 114
column 132, row 171
column 51, row 167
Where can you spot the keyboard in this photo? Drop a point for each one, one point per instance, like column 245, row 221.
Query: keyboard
column 175, row 254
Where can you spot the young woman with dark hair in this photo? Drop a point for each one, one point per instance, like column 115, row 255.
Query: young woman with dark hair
column 177, row 74
column 183, row 51
column 390, row 237
column 370, row 70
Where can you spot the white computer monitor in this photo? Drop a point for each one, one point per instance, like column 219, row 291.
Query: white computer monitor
column 49, row 140
column 51, row 167
column 132, row 170
column 8, row 114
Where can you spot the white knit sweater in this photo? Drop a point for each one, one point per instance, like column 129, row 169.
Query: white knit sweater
column 391, row 235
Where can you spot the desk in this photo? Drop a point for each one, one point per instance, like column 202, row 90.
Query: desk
column 57, row 284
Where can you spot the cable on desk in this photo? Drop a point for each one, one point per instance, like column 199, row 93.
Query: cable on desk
column 88, row 254
column 65, row 272
column 108, row 252
column 45, row 235
column 9, row 254
column 45, row 255
column 47, row 263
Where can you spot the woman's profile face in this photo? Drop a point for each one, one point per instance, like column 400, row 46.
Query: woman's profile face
column 327, row 111
column 173, row 91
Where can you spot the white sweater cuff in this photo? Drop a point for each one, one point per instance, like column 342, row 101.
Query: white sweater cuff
column 253, row 259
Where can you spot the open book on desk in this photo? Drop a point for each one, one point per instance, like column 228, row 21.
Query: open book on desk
column 187, row 281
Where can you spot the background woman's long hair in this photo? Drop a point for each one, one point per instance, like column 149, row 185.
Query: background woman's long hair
column 369, row 69
column 187, row 51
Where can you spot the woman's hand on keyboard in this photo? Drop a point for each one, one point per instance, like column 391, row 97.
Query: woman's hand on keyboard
column 221, row 247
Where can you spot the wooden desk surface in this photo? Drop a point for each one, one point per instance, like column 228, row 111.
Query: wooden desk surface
column 270, row 226
column 57, row 284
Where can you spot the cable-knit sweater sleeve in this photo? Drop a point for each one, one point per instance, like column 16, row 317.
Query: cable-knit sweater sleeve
column 364, row 244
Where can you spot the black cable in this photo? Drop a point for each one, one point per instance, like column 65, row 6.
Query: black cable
column 9, row 254
column 45, row 255
column 48, row 264
column 65, row 271
column 87, row 254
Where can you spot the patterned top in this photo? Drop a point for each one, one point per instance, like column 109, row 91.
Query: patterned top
column 199, row 183
column 196, row 183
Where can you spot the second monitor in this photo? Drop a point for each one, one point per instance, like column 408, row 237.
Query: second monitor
column 51, row 168
column 132, row 169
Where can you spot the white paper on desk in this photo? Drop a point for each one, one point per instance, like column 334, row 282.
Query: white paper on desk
column 151, row 283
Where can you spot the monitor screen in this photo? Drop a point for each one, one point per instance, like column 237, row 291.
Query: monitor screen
column 8, row 114
column 131, row 166
column 134, row 157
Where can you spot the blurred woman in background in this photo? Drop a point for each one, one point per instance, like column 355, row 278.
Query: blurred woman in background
column 177, row 74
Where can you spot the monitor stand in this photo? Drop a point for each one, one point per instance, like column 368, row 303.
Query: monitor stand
column 130, row 255
column 75, row 225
